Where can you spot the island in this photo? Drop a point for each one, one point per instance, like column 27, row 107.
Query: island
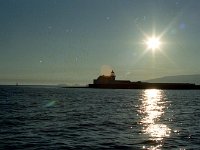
column 109, row 82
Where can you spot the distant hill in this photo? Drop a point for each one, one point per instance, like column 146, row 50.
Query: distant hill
column 177, row 79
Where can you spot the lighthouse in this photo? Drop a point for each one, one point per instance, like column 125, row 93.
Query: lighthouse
column 112, row 75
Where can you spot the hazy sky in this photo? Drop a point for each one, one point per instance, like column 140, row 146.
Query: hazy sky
column 70, row 41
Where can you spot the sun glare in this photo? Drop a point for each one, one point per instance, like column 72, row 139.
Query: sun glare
column 153, row 43
column 151, row 110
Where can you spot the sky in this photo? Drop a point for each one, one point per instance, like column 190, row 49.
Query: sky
column 75, row 41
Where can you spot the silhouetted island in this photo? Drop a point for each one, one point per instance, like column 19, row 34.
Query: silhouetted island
column 109, row 82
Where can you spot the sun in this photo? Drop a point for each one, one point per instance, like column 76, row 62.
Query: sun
column 153, row 43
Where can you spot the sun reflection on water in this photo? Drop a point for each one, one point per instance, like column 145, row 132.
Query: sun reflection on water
column 151, row 110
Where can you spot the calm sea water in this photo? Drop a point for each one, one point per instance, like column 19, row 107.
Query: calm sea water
column 58, row 118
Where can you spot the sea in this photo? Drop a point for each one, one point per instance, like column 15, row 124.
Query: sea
column 54, row 118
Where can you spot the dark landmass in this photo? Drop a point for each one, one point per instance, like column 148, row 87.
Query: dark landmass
column 109, row 82
column 177, row 79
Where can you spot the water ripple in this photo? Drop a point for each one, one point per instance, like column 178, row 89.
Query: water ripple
column 56, row 118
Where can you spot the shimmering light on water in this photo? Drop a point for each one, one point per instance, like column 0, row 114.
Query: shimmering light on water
column 152, row 108
column 46, row 118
